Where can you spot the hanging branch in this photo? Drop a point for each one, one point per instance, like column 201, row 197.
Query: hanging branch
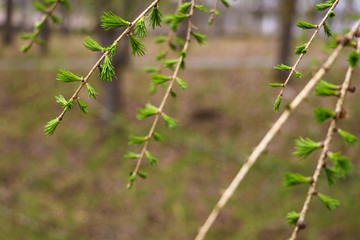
column 168, row 41
column 229, row 192
column 324, row 153
column 213, row 12
column 158, row 112
column 107, row 70
column 48, row 14
column 303, row 49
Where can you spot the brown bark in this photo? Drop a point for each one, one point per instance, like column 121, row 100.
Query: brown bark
column 287, row 14
column 8, row 27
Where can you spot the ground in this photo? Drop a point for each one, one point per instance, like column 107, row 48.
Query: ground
column 72, row 185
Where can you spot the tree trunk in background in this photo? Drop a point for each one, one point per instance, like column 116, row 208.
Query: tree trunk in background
column 287, row 14
column 113, row 96
column 8, row 28
column 25, row 7
column 45, row 33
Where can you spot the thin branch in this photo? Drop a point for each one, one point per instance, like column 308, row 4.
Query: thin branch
column 229, row 192
column 97, row 64
column 213, row 11
column 167, row 93
column 44, row 18
column 325, row 149
column 293, row 69
column 168, row 41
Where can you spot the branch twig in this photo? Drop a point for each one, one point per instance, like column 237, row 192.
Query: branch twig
column 44, row 18
column 168, row 41
column 212, row 11
column 97, row 64
column 293, row 69
column 229, row 192
column 167, row 93
column 325, row 149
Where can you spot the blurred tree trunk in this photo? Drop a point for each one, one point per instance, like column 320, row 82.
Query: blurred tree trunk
column 113, row 96
column 287, row 14
column 45, row 34
column 25, row 8
column 8, row 27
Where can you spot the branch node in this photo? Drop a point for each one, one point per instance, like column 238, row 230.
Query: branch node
column 301, row 224
column 351, row 89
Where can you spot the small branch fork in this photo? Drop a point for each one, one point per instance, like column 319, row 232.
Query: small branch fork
column 85, row 80
column 229, row 192
column 44, row 18
column 321, row 161
column 167, row 93
column 293, row 69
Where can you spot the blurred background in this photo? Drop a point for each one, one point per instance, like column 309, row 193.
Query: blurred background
column 72, row 185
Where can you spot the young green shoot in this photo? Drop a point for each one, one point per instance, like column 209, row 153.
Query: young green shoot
column 331, row 175
column 91, row 91
column 109, row 21
column 300, row 49
column 131, row 155
column 349, row 139
column 354, row 59
column 137, row 140
column 200, row 38
column 107, row 70
column 329, row 202
column 146, row 112
column 140, row 28
column 342, row 164
column 323, row 114
column 155, row 17
column 292, row 218
column 326, row 89
column 151, row 159
column 67, row 76
column 306, row 25
column 92, row 45
column 291, row 179
column 51, row 126
column 82, row 106
column 137, row 48
column 304, row 147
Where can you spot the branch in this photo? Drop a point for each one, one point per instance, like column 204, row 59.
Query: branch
column 167, row 94
column 213, row 11
column 39, row 25
column 318, row 27
column 312, row 189
column 270, row 135
column 168, row 41
column 85, row 80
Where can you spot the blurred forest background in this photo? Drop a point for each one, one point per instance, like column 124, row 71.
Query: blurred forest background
column 72, row 185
